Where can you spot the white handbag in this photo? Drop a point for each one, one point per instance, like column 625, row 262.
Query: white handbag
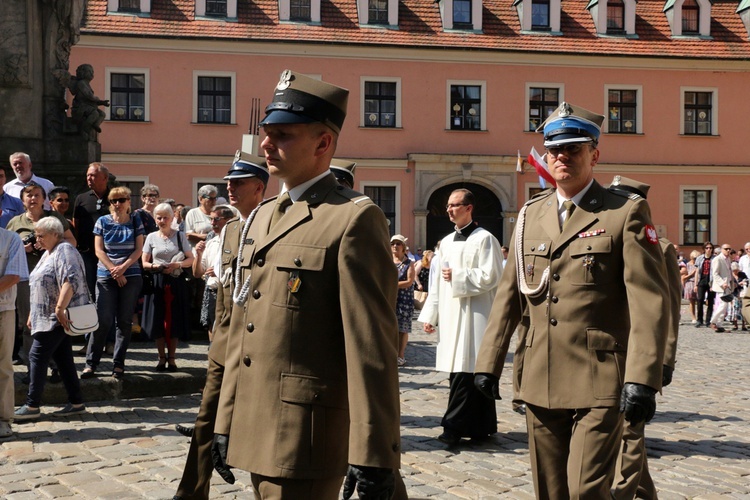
column 83, row 319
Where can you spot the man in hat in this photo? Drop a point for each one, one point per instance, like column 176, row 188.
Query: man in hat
column 468, row 264
column 246, row 184
column 632, row 479
column 587, row 264
column 311, row 382
column 343, row 170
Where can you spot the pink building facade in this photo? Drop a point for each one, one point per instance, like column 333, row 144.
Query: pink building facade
column 433, row 107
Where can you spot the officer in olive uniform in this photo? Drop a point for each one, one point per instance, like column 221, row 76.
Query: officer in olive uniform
column 633, row 479
column 246, row 182
column 311, row 382
column 587, row 264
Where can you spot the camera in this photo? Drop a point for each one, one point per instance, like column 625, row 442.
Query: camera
column 30, row 239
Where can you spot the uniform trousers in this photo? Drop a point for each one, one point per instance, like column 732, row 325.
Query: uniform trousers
column 196, row 477
column 632, row 479
column 573, row 452
column 281, row 488
column 746, row 309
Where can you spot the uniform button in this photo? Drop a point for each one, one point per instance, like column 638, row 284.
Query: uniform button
column 297, row 262
column 395, row 447
column 256, row 294
column 260, row 262
column 554, row 299
column 250, row 327
column 556, row 277
column 246, row 361
column 553, row 322
column 588, row 247
column 316, row 396
column 556, row 256
column 532, row 249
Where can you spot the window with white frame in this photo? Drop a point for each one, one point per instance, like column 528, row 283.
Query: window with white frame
column 300, row 11
column 613, row 17
column 378, row 12
column 214, row 96
column 698, row 209
column 381, row 103
column 216, row 8
column 539, row 15
column 541, row 100
column 127, row 89
column 624, row 109
column 699, row 111
column 129, row 6
column 386, row 195
column 467, row 105
column 689, row 17
column 461, row 14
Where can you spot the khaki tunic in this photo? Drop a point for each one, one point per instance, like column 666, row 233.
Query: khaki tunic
column 311, row 381
column 603, row 317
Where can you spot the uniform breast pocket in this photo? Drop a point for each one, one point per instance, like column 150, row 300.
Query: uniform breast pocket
column 535, row 259
column 299, row 269
column 592, row 261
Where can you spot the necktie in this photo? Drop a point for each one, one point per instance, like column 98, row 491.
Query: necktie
column 569, row 207
column 280, row 209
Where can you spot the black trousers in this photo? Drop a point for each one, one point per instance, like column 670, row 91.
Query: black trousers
column 705, row 295
column 196, row 477
column 469, row 413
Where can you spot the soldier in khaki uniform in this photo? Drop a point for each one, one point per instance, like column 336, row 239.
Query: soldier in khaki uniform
column 246, row 183
column 587, row 264
column 632, row 479
column 311, row 382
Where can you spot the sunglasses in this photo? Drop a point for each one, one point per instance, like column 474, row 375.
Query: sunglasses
column 216, row 219
column 62, row 200
column 119, row 200
column 209, row 197
column 152, row 195
column 566, row 149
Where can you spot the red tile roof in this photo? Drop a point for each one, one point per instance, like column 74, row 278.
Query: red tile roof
column 420, row 26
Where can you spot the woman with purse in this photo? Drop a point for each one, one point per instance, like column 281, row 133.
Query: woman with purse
column 57, row 282
column 166, row 311
column 118, row 241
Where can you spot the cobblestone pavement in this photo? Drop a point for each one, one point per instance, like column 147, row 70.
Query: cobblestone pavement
column 699, row 441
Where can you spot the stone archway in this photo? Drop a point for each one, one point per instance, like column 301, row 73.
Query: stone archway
column 488, row 212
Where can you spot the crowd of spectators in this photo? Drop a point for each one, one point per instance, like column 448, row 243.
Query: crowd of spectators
column 136, row 265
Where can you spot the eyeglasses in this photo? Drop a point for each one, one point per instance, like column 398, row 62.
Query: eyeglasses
column 454, row 205
column 119, row 200
column 152, row 195
column 99, row 204
column 726, row 248
column 209, row 197
column 216, row 219
column 566, row 149
column 397, row 243
column 62, row 200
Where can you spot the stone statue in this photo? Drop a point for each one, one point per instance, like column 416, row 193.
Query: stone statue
column 85, row 111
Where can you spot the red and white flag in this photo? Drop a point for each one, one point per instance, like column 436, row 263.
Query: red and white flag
column 541, row 169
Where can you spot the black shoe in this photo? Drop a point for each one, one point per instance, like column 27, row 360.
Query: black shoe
column 87, row 373
column 55, row 377
column 118, row 374
column 449, row 438
column 185, row 430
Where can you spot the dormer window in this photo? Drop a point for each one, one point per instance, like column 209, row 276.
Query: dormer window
column 539, row 15
column 613, row 17
column 129, row 6
column 216, row 9
column 300, row 11
column 461, row 14
column 689, row 17
column 378, row 12
column 743, row 9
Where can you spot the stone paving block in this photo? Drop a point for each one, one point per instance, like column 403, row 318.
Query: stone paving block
column 79, row 478
column 15, row 487
column 120, row 470
column 56, row 491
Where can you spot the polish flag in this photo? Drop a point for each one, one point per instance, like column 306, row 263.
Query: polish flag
column 541, row 169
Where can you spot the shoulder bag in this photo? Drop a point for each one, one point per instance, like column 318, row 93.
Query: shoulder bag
column 83, row 319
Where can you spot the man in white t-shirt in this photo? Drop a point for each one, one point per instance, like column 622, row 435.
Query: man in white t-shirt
column 21, row 165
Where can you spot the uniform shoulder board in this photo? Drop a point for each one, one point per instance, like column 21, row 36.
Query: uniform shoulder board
column 624, row 192
column 540, row 196
column 354, row 196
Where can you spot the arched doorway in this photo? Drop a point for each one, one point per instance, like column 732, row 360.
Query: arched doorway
column 487, row 213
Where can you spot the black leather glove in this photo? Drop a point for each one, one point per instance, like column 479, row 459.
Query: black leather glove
column 488, row 384
column 371, row 483
column 637, row 402
column 666, row 375
column 219, row 456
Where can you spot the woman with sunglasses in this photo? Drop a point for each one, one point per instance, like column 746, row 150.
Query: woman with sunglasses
column 118, row 242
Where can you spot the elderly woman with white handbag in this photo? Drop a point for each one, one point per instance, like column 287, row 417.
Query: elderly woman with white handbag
column 57, row 282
